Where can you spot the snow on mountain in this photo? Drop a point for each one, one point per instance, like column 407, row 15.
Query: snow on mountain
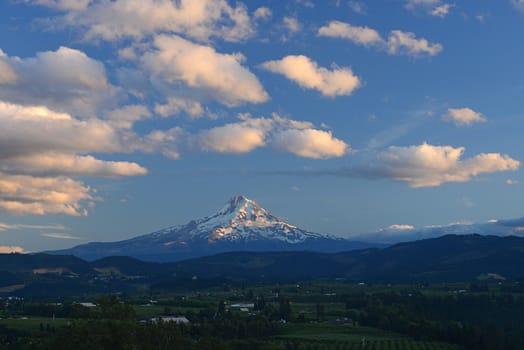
column 242, row 220
column 240, row 225
column 402, row 233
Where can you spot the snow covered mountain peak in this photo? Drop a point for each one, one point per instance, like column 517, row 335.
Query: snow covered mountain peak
column 240, row 225
column 240, row 220
column 242, row 209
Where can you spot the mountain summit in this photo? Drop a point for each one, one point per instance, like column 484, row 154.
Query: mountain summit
column 243, row 220
column 241, row 225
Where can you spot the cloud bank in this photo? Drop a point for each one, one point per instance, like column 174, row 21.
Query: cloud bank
column 136, row 19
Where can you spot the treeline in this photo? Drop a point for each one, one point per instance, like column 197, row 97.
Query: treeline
column 112, row 325
column 478, row 322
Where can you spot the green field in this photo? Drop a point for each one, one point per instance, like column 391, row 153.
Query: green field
column 33, row 324
column 324, row 336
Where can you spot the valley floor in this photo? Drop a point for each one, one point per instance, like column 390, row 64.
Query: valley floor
column 310, row 315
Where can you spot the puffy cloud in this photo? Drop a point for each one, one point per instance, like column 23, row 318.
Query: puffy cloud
column 421, row 166
column 463, row 116
column 176, row 105
column 309, row 143
column 40, row 149
column 200, row 67
column 26, row 130
column 232, row 138
column 398, row 42
column 263, row 13
column 21, row 194
column 359, row 35
column 280, row 133
column 10, row 249
column 428, row 166
column 79, row 83
column 116, row 20
column 518, row 5
column 307, row 73
column 7, row 72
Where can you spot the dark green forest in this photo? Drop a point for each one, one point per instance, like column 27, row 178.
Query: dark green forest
column 312, row 315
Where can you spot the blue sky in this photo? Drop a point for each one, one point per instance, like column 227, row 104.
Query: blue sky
column 118, row 118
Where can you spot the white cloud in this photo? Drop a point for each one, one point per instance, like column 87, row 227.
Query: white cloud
column 21, row 194
column 7, row 72
column 5, row 226
column 442, row 10
column 232, row 138
column 359, row 35
column 307, row 73
column 176, row 105
column 125, row 116
column 428, row 166
column 279, row 133
column 59, row 236
column 518, row 5
column 27, row 130
column 463, row 116
column 358, row 7
column 292, row 24
column 436, row 8
column 263, row 13
column 511, row 182
column 117, row 20
column 398, row 42
column 163, row 141
column 40, row 150
column 309, row 143
column 200, row 67
column 422, row 166
column 55, row 164
column 400, row 227
column 10, row 249
column 79, row 83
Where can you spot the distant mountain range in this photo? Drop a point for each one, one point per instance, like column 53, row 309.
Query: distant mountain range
column 241, row 225
column 450, row 258
column 402, row 233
